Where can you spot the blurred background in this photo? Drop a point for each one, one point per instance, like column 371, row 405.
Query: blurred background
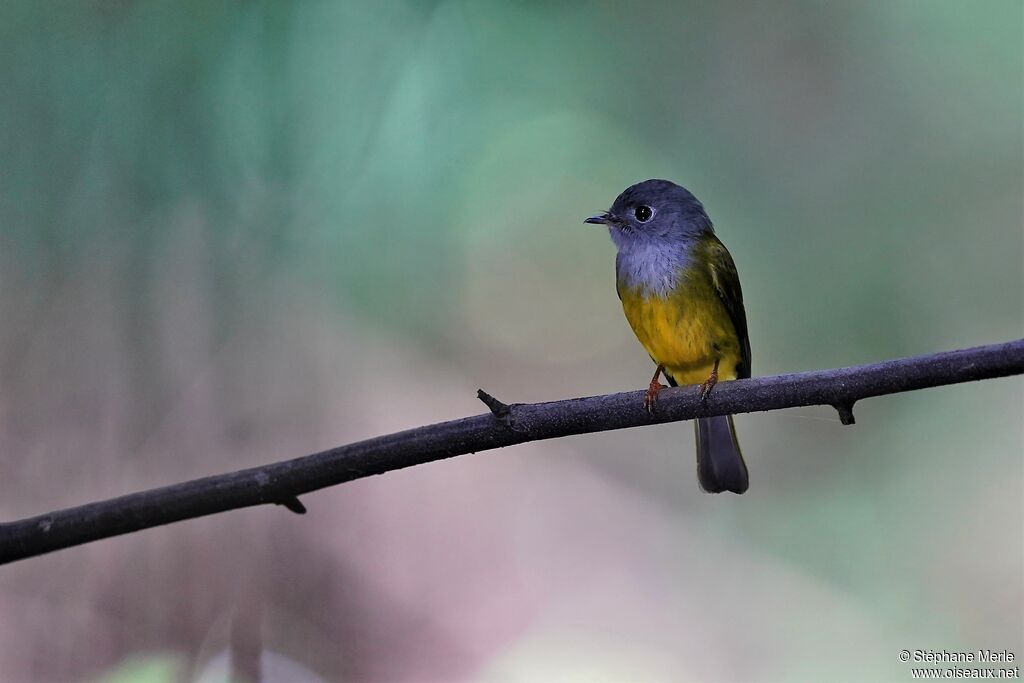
column 237, row 232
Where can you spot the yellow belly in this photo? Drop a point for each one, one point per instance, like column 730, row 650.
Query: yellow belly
column 686, row 331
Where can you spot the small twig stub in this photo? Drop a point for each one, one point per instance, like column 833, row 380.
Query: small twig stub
column 293, row 504
column 845, row 410
column 502, row 411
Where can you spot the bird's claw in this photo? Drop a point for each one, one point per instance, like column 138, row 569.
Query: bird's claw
column 652, row 395
column 708, row 385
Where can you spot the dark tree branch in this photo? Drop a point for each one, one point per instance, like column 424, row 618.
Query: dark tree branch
column 281, row 483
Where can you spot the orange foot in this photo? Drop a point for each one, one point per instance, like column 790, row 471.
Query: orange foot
column 652, row 395
column 652, row 391
column 709, row 383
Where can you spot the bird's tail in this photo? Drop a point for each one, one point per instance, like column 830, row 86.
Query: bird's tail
column 720, row 465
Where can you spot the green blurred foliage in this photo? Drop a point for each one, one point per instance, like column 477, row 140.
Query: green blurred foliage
column 152, row 669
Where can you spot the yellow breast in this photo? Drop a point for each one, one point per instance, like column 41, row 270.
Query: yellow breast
column 685, row 330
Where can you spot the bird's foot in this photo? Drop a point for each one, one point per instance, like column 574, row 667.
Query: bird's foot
column 708, row 385
column 652, row 395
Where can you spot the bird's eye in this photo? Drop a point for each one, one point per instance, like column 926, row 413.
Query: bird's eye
column 643, row 213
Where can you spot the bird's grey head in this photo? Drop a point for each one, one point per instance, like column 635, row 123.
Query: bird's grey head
column 654, row 213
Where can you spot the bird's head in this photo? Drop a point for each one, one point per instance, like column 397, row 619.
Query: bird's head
column 654, row 212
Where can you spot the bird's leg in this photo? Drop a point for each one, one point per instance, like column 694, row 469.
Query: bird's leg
column 653, row 389
column 709, row 383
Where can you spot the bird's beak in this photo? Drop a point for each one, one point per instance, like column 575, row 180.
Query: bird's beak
column 600, row 219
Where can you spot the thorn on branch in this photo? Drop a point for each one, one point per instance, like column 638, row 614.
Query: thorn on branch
column 502, row 411
column 293, row 504
column 845, row 411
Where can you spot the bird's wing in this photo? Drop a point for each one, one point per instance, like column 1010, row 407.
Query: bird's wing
column 727, row 285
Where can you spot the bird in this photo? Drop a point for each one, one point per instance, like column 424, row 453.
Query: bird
column 681, row 295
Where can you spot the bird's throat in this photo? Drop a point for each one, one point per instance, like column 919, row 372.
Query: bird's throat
column 655, row 268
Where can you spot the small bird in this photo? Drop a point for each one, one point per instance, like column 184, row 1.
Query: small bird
column 681, row 295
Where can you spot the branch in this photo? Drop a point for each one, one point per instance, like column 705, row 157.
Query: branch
column 281, row 483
